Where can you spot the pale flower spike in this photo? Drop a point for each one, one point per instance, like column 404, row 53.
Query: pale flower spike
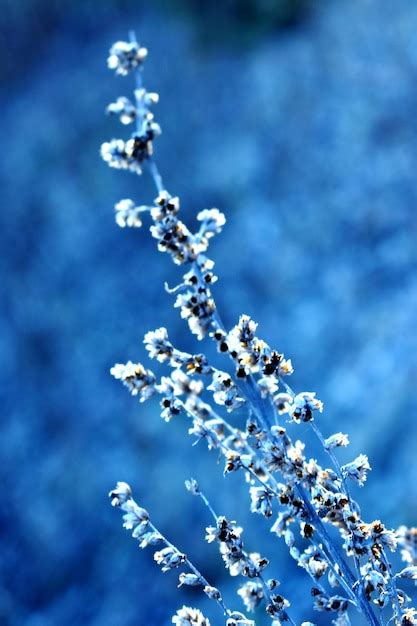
column 345, row 558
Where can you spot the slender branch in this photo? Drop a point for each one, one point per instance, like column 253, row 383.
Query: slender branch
column 192, row 567
column 343, row 481
column 267, row 592
column 392, row 585
column 156, row 176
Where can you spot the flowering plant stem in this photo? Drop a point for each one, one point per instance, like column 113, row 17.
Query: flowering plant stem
column 313, row 497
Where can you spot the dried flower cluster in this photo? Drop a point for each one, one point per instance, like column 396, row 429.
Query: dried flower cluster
column 310, row 502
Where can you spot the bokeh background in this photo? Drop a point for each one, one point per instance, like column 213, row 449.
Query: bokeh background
column 299, row 121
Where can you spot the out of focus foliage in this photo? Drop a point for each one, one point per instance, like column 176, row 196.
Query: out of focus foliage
column 239, row 22
column 233, row 21
column 307, row 140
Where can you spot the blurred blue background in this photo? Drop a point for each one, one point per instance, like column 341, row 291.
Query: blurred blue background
column 299, row 121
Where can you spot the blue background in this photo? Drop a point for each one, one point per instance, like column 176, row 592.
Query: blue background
column 299, row 122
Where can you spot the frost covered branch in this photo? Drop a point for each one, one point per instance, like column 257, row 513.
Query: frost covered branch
column 345, row 557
